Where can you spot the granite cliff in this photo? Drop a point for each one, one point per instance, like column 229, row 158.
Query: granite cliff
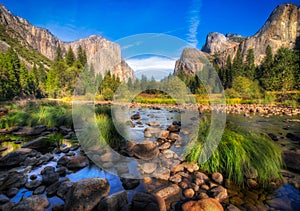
column 282, row 29
column 41, row 40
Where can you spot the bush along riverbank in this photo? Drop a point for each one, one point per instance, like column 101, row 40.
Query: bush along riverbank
column 52, row 171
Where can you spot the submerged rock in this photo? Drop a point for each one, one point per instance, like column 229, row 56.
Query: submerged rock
column 85, row 194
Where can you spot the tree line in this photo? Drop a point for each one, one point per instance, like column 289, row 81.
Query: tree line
column 279, row 72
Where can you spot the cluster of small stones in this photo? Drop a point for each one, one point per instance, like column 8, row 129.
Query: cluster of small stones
column 245, row 109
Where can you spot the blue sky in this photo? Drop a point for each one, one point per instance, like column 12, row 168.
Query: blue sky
column 190, row 20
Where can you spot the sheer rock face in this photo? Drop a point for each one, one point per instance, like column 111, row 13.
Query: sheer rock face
column 282, row 29
column 46, row 43
column 190, row 61
column 217, row 43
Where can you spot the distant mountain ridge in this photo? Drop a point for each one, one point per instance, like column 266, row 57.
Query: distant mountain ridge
column 43, row 41
column 282, row 29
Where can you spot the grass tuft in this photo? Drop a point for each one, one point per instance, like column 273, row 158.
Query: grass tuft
column 237, row 153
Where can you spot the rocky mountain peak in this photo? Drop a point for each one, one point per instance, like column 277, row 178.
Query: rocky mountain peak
column 46, row 43
column 282, row 29
column 190, row 61
column 217, row 43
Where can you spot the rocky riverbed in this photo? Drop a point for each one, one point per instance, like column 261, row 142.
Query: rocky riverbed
column 37, row 174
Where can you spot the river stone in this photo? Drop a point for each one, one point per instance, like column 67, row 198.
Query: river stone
column 293, row 137
column 33, row 184
column 163, row 135
column 189, row 193
column 129, row 183
column 113, row 202
column 13, row 180
column 292, row 159
column 85, row 194
column 63, row 189
column 28, row 131
column 3, row 199
column 217, row 177
column 165, row 146
column 219, row 193
column 148, row 168
column 202, row 205
column 17, row 157
column 135, row 116
column 2, row 149
column 201, row 176
column 169, row 194
column 145, row 150
column 175, row 178
column 162, row 173
column 40, row 143
column 77, row 162
column 173, row 128
column 12, row 192
column 273, row 136
column 231, row 207
column 49, row 176
column 39, row 190
column 147, row 202
column 32, row 203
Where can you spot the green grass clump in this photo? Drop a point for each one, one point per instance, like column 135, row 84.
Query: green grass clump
column 238, row 152
column 37, row 113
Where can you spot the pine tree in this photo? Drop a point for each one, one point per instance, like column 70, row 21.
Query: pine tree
column 228, row 73
column 24, row 79
column 237, row 65
column 266, row 72
column 70, row 57
column 58, row 55
column 250, row 66
column 81, row 56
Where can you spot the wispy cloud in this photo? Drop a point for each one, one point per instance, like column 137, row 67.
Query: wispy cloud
column 193, row 20
column 158, row 67
column 151, row 63
column 69, row 32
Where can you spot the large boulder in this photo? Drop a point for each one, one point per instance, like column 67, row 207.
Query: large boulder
column 208, row 204
column 114, row 202
column 85, row 194
column 17, row 157
column 40, row 143
column 292, row 159
column 32, row 203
